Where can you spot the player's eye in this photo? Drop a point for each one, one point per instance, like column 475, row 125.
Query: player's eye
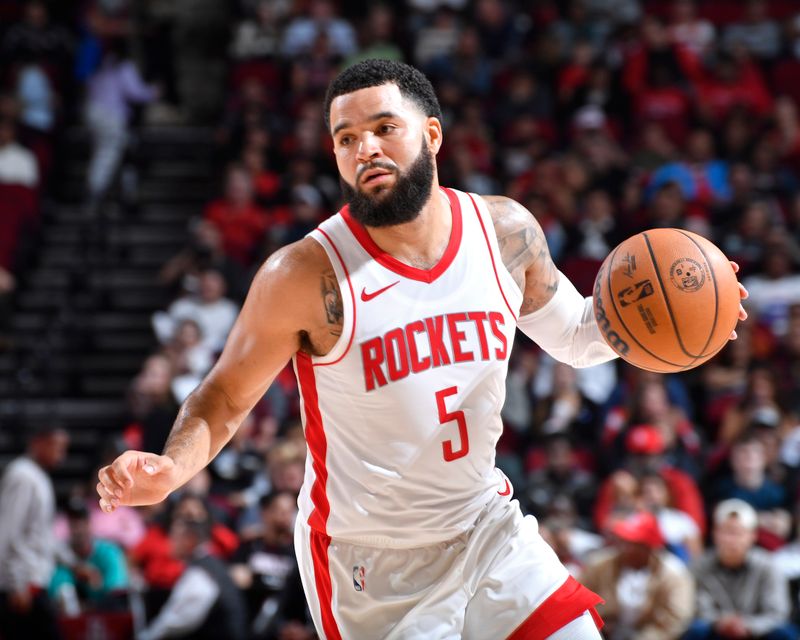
column 386, row 128
column 345, row 140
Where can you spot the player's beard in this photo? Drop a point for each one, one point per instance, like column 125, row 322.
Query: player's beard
column 404, row 200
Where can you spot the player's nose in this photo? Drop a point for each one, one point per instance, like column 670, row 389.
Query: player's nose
column 368, row 147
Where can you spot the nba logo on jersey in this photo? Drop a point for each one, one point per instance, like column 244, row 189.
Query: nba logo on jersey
column 358, row 577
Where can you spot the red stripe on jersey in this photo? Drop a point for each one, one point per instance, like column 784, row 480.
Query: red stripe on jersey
column 318, row 520
column 317, row 442
column 491, row 255
column 322, row 577
column 561, row 607
column 352, row 297
column 405, row 270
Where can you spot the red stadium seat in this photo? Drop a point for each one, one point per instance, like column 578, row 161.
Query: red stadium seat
column 106, row 625
column 19, row 211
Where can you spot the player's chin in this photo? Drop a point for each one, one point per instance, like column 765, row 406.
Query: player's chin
column 377, row 192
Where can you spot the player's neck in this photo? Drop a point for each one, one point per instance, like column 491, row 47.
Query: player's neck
column 421, row 242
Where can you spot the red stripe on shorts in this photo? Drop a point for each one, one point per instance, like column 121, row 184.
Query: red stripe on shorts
column 560, row 608
column 318, row 448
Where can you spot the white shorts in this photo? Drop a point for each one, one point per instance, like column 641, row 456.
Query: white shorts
column 498, row 580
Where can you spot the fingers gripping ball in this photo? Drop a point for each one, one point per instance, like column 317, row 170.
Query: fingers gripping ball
column 666, row 300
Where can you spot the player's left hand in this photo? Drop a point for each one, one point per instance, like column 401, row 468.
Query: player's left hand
column 742, row 295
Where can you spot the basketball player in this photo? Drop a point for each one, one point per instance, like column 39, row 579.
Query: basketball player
column 399, row 313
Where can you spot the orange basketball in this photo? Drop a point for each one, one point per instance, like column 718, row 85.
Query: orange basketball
column 666, row 300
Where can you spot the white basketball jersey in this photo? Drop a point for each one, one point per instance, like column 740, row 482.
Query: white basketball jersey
column 403, row 415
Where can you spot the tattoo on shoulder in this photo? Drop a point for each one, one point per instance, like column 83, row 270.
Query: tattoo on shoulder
column 523, row 249
column 332, row 299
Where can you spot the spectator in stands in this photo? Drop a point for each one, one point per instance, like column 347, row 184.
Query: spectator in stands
column 787, row 559
column 744, row 240
column 306, row 208
column 125, row 527
column 213, row 312
column 190, row 357
column 758, row 32
column 681, row 533
column 110, row 92
column 204, row 250
column 205, row 602
column 96, row 569
column 27, row 543
column 466, row 64
column 650, row 405
column 17, row 164
column 648, row 593
column 151, row 406
column 740, row 591
column 565, row 408
column 240, row 221
column 595, row 233
column 561, row 475
column 37, row 97
column 733, row 82
column 748, row 482
column 777, row 286
column 759, row 402
column 562, row 528
column 303, row 31
column 579, row 27
column 787, row 367
column 702, row 177
column 645, row 448
column 154, row 556
column 241, row 461
column 689, row 30
column 436, row 36
column 258, row 36
column 377, row 36
column 36, row 36
column 261, row 566
column 19, row 197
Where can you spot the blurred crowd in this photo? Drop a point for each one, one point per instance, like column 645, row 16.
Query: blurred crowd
column 674, row 497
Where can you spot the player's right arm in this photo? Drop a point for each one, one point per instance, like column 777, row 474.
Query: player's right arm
column 291, row 305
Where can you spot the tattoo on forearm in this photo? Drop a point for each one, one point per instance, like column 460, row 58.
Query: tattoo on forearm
column 523, row 249
column 332, row 299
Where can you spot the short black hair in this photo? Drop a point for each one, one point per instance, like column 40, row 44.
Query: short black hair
column 373, row 73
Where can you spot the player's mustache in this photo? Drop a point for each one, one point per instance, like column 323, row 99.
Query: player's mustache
column 377, row 164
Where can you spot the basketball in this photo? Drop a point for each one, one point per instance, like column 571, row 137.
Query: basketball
column 666, row 300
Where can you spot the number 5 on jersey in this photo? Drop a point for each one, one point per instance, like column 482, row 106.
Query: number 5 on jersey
column 446, row 416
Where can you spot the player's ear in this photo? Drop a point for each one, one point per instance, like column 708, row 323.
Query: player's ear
column 433, row 134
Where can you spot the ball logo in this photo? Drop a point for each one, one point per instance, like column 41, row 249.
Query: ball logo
column 687, row 274
column 640, row 290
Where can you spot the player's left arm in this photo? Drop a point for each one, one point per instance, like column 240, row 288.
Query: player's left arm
column 553, row 314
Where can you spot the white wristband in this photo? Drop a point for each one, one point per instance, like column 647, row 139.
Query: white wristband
column 566, row 329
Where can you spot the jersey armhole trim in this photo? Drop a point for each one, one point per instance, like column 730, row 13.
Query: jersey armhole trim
column 491, row 257
column 321, row 361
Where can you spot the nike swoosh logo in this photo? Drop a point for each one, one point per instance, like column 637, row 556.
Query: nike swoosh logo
column 366, row 297
column 507, row 490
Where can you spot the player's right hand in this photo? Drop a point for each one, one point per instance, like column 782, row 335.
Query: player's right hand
column 136, row 478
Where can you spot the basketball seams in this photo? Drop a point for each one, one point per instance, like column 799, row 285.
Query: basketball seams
column 716, row 293
column 664, row 294
column 625, row 326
